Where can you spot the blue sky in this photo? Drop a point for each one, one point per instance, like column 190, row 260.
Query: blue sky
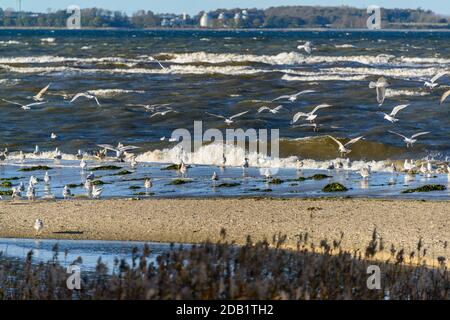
column 194, row 6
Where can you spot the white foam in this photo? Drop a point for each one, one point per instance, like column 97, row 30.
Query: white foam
column 112, row 92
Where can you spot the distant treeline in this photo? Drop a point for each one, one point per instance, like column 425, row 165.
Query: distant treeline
column 275, row 17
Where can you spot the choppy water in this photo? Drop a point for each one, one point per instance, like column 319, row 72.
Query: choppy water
column 222, row 73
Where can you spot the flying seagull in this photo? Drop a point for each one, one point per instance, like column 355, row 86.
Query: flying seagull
column 157, row 61
column 274, row 110
column 380, row 86
column 87, row 96
column 409, row 141
column 432, row 83
column 391, row 117
column 229, row 120
column 306, row 46
column 343, row 148
column 25, row 106
column 293, row 97
column 40, row 95
column 119, row 150
column 310, row 116
column 163, row 113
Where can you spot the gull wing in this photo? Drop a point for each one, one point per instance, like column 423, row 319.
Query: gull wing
column 320, row 106
column 297, row 116
column 78, row 95
column 445, row 96
column 34, row 104
column 127, row 148
column 337, row 141
column 304, row 92
column 278, row 108
column 439, row 75
column 42, row 92
column 215, row 115
column 17, row 104
column 238, row 115
column 381, row 94
column 398, row 134
column 263, row 108
column 419, row 134
column 397, row 109
column 96, row 100
column 281, row 97
column 353, row 141
column 156, row 114
column 107, row 147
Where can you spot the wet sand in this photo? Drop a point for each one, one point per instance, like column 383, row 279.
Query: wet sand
column 398, row 222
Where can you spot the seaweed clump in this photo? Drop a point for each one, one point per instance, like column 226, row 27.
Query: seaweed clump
column 334, row 187
column 426, row 188
column 35, row 168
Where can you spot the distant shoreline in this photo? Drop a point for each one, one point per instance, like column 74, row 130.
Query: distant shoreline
column 231, row 29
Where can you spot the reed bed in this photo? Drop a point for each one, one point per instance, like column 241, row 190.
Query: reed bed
column 223, row 270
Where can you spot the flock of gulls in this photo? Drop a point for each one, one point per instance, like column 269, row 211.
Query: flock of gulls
column 307, row 119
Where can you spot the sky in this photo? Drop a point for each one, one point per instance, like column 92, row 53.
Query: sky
column 194, row 6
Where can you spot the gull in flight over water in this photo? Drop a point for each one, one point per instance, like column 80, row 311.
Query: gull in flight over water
column 24, row 106
column 391, row 117
column 40, row 96
column 150, row 107
column 157, row 61
column 380, row 86
column 229, row 120
column 119, row 150
column 306, row 46
column 310, row 116
column 343, row 148
column 432, row 83
column 87, row 96
column 274, row 110
column 163, row 113
column 293, row 97
column 445, row 96
column 409, row 141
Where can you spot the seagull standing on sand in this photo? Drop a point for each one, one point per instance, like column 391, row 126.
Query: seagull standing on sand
column 229, row 120
column 16, row 193
column 391, row 117
column 310, row 116
column 38, row 226
column 343, row 148
column 24, row 106
column 87, row 96
column 409, row 141
column 380, row 87
column 293, row 97
column 40, row 95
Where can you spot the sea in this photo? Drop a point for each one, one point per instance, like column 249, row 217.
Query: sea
column 202, row 73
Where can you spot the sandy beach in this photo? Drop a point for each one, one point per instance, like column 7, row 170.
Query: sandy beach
column 401, row 223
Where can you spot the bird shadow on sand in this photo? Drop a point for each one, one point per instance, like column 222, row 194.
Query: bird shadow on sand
column 69, row 232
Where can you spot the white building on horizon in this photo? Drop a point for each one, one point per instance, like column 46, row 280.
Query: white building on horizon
column 206, row 21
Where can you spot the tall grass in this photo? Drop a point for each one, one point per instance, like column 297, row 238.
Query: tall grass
column 261, row 270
